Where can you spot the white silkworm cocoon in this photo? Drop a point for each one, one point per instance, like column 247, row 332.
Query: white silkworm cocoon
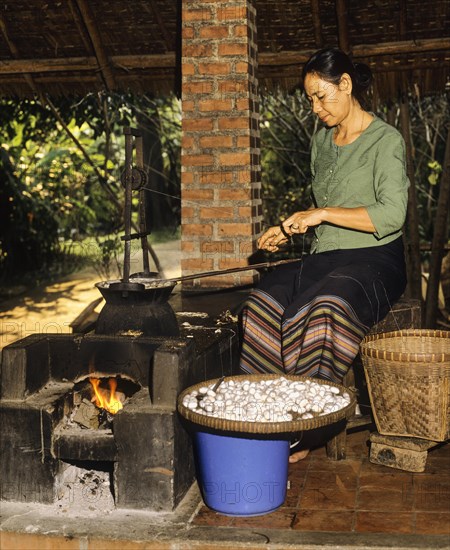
column 273, row 400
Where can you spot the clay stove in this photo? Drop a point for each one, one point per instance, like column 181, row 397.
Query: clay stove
column 146, row 450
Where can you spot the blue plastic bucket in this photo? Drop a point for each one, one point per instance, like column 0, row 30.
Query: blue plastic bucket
column 240, row 476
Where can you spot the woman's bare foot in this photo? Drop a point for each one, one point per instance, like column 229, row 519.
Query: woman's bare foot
column 299, row 455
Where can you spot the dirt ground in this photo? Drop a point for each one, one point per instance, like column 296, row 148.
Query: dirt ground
column 51, row 308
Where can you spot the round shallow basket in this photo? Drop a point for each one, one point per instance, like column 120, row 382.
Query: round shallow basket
column 408, row 378
column 249, row 427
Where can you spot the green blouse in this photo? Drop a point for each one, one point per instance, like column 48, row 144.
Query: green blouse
column 369, row 172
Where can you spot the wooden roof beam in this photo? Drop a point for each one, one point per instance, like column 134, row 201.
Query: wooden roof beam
column 317, row 25
column 85, row 64
column 94, row 35
column 359, row 51
column 342, row 25
column 15, row 53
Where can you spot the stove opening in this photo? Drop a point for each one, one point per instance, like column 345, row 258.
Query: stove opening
column 84, row 487
column 96, row 399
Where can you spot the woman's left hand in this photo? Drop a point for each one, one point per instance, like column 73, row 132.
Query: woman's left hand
column 272, row 239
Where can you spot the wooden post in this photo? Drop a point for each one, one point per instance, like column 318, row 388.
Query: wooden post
column 439, row 238
column 414, row 288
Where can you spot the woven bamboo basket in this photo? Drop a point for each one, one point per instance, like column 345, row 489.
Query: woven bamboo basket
column 408, row 378
column 291, row 426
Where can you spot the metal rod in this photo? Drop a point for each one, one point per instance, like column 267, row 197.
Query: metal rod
column 231, row 270
column 142, row 205
column 128, row 199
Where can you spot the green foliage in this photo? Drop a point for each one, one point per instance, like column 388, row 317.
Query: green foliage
column 63, row 172
column 435, row 171
column 28, row 228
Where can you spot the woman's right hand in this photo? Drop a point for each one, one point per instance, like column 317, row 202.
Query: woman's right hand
column 272, row 239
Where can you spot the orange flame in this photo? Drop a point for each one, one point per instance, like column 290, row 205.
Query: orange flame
column 106, row 399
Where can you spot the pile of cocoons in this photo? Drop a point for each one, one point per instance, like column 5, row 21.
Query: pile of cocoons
column 271, row 400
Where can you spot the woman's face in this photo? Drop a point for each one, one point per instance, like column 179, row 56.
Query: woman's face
column 330, row 102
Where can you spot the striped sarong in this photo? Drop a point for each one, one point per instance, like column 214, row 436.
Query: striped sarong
column 310, row 318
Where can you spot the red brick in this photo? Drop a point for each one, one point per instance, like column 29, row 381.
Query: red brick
column 216, row 212
column 234, row 194
column 208, row 105
column 188, row 246
column 235, row 229
column 187, row 141
column 232, row 123
column 214, row 68
column 234, row 159
column 245, row 211
column 196, row 229
column 240, row 30
column 214, row 31
column 242, row 67
column 188, row 106
column 243, row 142
column 233, row 49
column 187, row 68
column 216, row 141
column 232, row 13
column 187, row 177
column 197, row 160
column 233, row 86
column 217, row 247
column 187, row 212
column 197, row 50
column 187, row 32
column 196, row 15
column 217, row 177
column 197, row 263
column 197, row 194
column 201, row 87
column 242, row 104
column 244, row 175
column 197, row 124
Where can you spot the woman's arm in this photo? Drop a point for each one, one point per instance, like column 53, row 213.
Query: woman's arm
column 351, row 218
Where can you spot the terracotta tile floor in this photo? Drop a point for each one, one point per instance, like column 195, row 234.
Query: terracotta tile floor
column 356, row 496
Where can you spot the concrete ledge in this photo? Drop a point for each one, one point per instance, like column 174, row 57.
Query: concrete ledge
column 38, row 527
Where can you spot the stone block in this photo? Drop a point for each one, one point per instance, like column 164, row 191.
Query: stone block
column 24, row 367
column 402, row 453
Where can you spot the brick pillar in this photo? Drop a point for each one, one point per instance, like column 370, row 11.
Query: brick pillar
column 220, row 160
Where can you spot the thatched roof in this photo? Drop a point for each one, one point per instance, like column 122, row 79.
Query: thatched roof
column 66, row 47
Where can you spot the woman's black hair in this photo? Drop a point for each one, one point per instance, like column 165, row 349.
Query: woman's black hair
column 331, row 63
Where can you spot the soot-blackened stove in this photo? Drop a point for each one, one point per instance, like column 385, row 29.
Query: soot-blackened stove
column 138, row 344
column 147, row 451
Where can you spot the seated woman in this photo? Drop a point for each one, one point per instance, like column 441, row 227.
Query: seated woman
column 309, row 318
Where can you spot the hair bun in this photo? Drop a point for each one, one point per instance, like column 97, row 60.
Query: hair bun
column 363, row 75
